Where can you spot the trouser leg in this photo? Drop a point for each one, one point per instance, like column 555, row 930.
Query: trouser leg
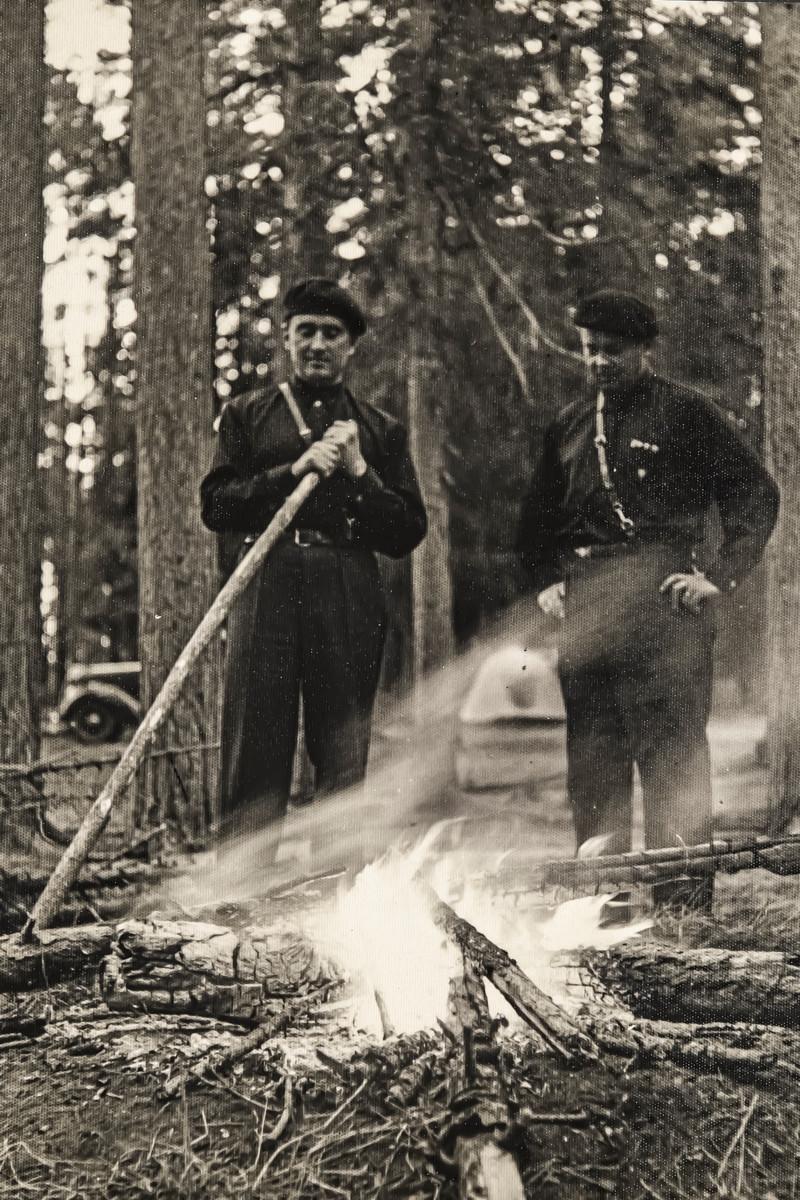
column 260, row 700
column 667, row 701
column 342, row 645
column 599, row 763
column 343, row 631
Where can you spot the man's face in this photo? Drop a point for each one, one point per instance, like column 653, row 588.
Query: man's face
column 319, row 348
column 614, row 362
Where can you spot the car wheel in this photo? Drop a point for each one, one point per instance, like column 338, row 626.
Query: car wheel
column 93, row 721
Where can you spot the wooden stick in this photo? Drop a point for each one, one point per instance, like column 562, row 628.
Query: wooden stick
column 219, row 1059
column 68, row 868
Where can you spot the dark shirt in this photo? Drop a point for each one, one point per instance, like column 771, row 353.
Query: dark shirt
column 250, row 477
column 671, row 456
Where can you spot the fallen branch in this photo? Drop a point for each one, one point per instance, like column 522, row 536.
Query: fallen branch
column 744, row 1051
column 96, row 819
column 557, row 1030
column 779, row 856
column 219, row 1060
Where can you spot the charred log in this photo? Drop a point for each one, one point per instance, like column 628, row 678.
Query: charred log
column 190, row 966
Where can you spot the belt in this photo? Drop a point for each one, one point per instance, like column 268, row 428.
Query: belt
column 315, row 537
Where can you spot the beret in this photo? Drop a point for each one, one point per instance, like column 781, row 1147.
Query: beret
column 325, row 298
column 618, row 313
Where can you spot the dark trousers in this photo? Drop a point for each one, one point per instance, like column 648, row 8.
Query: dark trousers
column 636, row 678
column 311, row 622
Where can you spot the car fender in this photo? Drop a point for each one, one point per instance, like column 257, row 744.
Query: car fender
column 115, row 697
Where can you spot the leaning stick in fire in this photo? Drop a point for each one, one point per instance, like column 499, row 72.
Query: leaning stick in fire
column 96, row 819
column 556, row 1029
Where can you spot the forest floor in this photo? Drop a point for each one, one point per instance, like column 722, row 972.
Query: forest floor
column 82, row 1115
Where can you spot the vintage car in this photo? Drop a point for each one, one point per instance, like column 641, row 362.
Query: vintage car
column 100, row 701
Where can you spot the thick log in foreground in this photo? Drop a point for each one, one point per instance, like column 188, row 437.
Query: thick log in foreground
column 60, row 954
column 196, row 967
column 556, row 1029
column 665, row 982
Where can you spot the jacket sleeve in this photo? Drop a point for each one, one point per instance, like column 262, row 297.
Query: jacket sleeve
column 537, row 541
column 387, row 502
column 747, row 499
column 233, row 496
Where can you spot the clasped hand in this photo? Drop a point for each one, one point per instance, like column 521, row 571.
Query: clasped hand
column 339, row 447
column 689, row 590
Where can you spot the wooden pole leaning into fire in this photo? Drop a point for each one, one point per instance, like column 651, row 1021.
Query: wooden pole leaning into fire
column 68, row 868
column 556, row 1029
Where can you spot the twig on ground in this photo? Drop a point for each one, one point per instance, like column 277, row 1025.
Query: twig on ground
column 740, row 1132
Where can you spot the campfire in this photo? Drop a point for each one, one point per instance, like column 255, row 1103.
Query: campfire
column 454, row 1028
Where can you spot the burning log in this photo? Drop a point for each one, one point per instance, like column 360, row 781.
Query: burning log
column 667, row 982
column 60, row 954
column 190, row 966
column 557, row 1030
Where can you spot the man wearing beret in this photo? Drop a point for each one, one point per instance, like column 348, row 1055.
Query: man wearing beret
column 312, row 622
column 611, row 532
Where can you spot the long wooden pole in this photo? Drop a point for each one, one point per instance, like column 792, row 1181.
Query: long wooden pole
column 73, row 858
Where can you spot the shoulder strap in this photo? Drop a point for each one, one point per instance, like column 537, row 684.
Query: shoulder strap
column 297, row 416
column 600, row 443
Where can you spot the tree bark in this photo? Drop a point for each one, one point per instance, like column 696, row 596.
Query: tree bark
column 431, row 585
column 664, row 982
column 177, row 567
column 22, row 83
column 780, row 196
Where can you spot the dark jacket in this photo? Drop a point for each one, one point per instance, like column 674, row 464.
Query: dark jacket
column 672, row 455
column 250, row 476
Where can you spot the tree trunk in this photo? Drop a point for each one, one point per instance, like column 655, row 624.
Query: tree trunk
column 21, row 234
column 432, row 600
column 780, row 196
column 668, row 983
column 177, row 569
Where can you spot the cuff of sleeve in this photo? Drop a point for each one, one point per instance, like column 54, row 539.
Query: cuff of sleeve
column 366, row 484
column 276, row 477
